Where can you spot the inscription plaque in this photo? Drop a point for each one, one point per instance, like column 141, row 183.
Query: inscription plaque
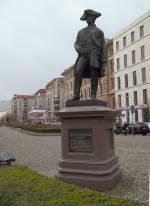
column 80, row 140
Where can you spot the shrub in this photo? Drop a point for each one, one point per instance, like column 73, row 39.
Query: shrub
column 37, row 128
column 43, row 130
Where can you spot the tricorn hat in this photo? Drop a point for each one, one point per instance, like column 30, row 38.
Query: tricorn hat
column 89, row 12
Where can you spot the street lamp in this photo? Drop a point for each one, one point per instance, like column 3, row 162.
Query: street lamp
column 132, row 111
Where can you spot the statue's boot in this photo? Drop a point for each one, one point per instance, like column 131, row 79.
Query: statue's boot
column 94, row 85
column 77, row 86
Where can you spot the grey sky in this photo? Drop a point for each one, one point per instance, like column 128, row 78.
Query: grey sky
column 37, row 37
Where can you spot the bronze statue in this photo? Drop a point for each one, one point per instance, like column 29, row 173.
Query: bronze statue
column 92, row 59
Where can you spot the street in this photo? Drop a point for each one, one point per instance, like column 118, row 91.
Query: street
column 42, row 153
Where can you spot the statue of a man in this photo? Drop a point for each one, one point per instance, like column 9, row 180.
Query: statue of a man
column 92, row 59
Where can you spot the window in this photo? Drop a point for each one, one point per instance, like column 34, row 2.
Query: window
column 135, row 98
column 118, row 64
column 112, row 83
column 127, row 99
column 127, row 116
column 132, row 36
column 101, row 89
column 144, row 74
column 124, row 41
column 125, row 60
column 134, row 78
column 133, row 57
column 111, row 51
column 89, row 91
column 71, row 85
column 117, row 45
column 85, row 93
column 126, row 80
column 141, row 31
column 110, row 62
column 142, row 53
column 144, row 96
column 146, row 115
column 57, row 102
column 119, row 100
column 119, row 85
column 113, row 102
column 112, row 65
column 136, row 115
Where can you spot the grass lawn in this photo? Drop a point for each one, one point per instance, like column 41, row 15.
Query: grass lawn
column 20, row 186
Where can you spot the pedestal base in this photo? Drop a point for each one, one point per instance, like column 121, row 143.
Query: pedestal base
column 97, row 179
column 88, row 157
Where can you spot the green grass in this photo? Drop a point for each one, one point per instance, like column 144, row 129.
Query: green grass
column 20, row 186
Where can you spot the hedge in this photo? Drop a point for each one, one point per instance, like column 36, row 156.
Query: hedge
column 20, row 186
column 42, row 130
column 37, row 128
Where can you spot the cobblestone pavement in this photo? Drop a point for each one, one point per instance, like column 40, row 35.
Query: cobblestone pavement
column 42, row 153
column 134, row 157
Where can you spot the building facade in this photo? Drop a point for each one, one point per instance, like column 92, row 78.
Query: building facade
column 105, row 91
column 54, row 99
column 110, row 82
column 40, row 99
column 21, row 105
column 132, row 71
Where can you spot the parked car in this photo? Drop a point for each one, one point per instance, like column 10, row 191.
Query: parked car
column 148, row 126
column 137, row 128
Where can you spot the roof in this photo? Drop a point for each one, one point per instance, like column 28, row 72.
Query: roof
column 109, row 42
column 40, row 91
column 23, row 96
column 67, row 70
column 59, row 79
column 132, row 24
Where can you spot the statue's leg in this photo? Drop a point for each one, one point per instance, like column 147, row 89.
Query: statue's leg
column 94, row 82
column 79, row 70
column 77, row 86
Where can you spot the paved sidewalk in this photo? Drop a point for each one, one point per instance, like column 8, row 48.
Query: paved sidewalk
column 42, row 153
column 134, row 158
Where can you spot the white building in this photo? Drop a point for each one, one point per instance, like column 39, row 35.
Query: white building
column 40, row 99
column 132, row 70
column 21, row 105
column 54, row 99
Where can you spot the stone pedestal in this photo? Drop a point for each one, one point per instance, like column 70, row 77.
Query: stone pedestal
column 88, row 156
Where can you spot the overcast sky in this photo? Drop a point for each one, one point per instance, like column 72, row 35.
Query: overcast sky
column 37, row 37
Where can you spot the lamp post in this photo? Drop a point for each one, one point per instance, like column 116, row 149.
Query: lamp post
column 132, row 111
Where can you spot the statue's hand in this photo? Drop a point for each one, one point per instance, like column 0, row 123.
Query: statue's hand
column 102, row 72
column 104, row 65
